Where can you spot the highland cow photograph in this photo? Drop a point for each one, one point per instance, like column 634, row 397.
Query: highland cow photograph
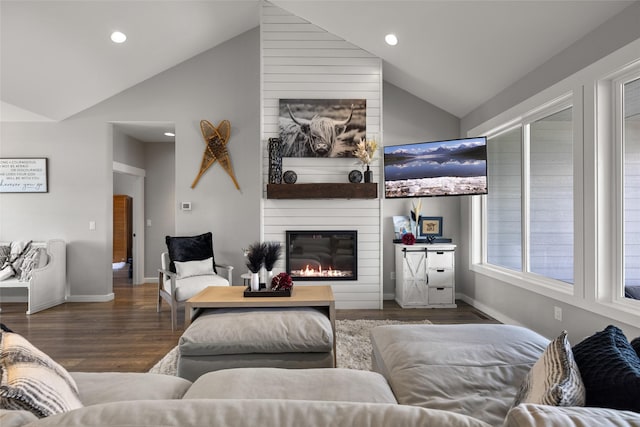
column 322, row 127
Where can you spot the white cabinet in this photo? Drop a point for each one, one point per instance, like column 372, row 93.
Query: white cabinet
column 425, row 275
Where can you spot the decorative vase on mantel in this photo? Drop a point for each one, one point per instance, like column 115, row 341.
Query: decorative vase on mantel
column 368, row 175
column 275, row 160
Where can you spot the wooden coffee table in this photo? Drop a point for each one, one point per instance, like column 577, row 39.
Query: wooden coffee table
column 320, row 297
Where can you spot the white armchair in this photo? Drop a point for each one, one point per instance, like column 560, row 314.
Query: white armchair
column 178, row 287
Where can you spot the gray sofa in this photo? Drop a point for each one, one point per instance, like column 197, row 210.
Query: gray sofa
column 240, row 397
column 464, row 375
column 475, row 370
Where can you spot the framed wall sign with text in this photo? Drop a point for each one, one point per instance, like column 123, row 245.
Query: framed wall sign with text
column 23, row 175
column 430, row 226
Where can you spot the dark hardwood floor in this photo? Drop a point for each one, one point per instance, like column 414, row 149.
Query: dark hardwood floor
column 127, row 334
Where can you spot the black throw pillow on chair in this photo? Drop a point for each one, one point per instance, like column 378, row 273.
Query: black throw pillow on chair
column 191, row 248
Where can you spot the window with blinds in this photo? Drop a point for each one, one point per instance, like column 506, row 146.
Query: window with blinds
column 529, row 208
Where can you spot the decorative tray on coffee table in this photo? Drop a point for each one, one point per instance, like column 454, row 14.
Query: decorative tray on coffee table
column 263, row 292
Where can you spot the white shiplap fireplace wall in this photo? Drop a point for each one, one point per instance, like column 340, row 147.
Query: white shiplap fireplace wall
column 301, row 60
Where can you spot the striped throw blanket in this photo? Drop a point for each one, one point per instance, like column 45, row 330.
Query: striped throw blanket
column 32, row 381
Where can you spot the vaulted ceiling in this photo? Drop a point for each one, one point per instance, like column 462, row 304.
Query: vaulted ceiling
column 56, row 58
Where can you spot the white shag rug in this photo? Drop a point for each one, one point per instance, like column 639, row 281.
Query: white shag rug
column 353, row 346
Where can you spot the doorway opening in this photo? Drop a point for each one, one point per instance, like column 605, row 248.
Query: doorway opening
column 128, row 227
column 122, row 236
column 149, row 145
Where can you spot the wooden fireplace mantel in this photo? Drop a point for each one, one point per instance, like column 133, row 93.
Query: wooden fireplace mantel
column 367, row 190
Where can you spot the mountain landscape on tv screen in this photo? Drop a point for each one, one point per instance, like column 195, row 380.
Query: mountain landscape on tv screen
column 443, row 168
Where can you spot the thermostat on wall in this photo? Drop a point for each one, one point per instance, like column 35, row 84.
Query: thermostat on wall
column 185, row 206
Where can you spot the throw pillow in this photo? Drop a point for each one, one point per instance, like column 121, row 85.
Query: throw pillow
column 7, row 272
column 554, row 379
column 5, row 251
column 12, row 265
column 610, row 369
column 194, row 268
column 32, row 381
column 18, row 248
column 34, row 258
column 193, row 248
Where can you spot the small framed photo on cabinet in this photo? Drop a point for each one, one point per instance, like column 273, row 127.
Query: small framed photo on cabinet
column 430, row 226
column 401, row 226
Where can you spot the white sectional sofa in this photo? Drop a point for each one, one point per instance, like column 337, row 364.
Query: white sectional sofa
column 47, row 286
column 269, row 397
column 477, row 371
column 428, row 376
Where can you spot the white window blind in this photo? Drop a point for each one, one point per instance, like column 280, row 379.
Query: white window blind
column 529, row 213
column 504, row 200
column 631, row 142
column 551, row 196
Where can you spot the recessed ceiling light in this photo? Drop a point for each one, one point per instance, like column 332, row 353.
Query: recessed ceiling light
column 391, row 39
column 169, row 134
column 118, row 37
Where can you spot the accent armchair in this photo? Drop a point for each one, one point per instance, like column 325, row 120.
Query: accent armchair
column 187, row 268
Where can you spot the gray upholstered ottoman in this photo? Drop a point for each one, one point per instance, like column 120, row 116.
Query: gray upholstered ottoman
column 297, row 337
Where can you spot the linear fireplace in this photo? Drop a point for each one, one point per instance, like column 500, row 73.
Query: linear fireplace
column 322, row 255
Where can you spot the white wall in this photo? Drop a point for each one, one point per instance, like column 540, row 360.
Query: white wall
column 408, row 119
column 127, row 150
column 80, row 190
column 159, row 202
column 516, row 304
column 300, row 60
column 222, row 83
column 613, row 34
column 123, row 184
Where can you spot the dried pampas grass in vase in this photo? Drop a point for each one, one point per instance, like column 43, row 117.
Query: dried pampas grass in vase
column 272, row 253
column 255, row 259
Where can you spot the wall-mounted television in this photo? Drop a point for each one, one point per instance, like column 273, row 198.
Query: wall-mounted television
column 453, row 167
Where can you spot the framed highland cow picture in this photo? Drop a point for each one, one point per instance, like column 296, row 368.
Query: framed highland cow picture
column 321, row 127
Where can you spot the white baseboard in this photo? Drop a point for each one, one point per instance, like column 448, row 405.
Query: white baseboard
column 91, row 298
column 488, row 310
column 151, row 279
column 388, row 296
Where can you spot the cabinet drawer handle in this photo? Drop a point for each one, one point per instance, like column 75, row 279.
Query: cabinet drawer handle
column 440, row 289
column 440, row 270
column 440, row 252
column 405, row 251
